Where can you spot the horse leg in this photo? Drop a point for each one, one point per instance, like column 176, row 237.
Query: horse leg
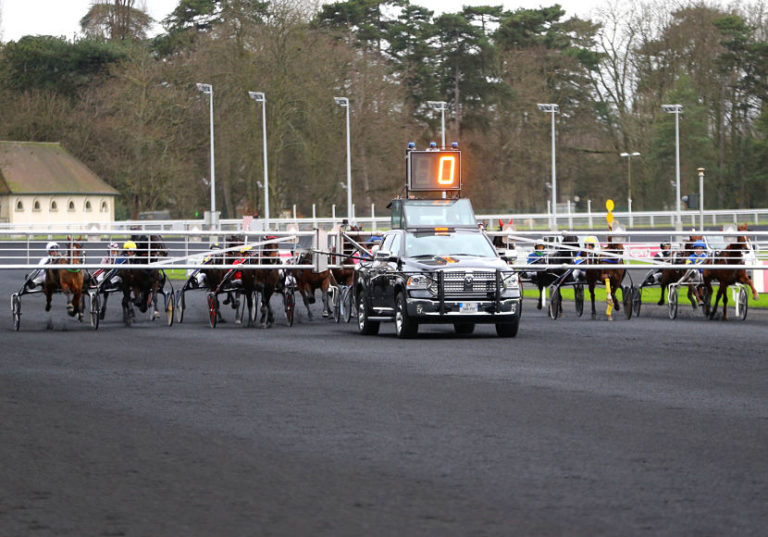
column 663, row 294
column 540, row 302
column 266, row 310
column 104, row 306
column 691, row 297
column 725, row 301
column 326, row 308
column 304, row 297
column 68, row 293
column 77, row 299
column 592, row 297
column 746, row 280
column 48, row 295
column 713, row 312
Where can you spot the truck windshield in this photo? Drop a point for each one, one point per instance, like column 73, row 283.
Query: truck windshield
column 460, row 243
column 439, row 213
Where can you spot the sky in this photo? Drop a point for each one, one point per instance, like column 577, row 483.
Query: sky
column 62, row 17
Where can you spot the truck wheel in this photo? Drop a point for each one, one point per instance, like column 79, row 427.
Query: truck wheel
column 405, row 326
column 464, row 329
column 365, row 326
column 508, row 329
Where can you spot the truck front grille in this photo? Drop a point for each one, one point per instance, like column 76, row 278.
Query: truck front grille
column 469, row 284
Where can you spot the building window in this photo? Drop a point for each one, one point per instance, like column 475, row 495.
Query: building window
column 19, row 206
column 104, row 207
column 54, row 206
column 36, row 206
column 87, row 206
column 71, row 207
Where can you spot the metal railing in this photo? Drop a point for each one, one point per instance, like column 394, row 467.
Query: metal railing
column 569, row 220
column 189, row 249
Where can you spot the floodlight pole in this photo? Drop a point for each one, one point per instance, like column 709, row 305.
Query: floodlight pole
column 629, row 156
column 344, row 102
column 676, row 109
column 552, row 109
column 440, row 106
column 259, row 96
column 208, row 90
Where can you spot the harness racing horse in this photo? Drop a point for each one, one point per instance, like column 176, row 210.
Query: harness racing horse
column 564, row 255
column 268, row 280
column 612, row 277
column 732, row 255
column 672, row 275
column 307, row 281
column 143, row 283
column 70, row 281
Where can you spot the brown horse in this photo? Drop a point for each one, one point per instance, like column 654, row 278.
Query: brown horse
column 615, row 276
column 267, row 280
column 307, row 281
column 672, row 275
column 732, row 255
column 70, row 281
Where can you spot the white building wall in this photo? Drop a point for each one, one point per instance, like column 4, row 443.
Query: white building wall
column 48, row 210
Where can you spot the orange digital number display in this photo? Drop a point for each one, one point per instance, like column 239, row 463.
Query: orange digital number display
column 434, row 170
column 447, row 168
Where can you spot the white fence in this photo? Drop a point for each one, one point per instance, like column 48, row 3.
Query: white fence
column 188, row 249
column 534, row 221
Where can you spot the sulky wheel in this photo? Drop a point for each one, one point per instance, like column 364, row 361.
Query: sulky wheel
column 741, row 303
column 253, row 312
column 181, row 304
column 170, row 308
column 637, row 300
column 346, row 303
column 555, row 300
column 95, row 309
column 336, row 303
column 578, row 297
column 626, row 299
column 16, row 311
column 672, row 301
column 213, row 309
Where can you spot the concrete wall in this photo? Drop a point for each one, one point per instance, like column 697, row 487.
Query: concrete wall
column 51, row 210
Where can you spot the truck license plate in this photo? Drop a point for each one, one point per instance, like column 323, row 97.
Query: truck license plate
column 468, row 307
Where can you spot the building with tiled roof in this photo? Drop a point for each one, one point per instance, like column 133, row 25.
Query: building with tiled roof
column 41, row 183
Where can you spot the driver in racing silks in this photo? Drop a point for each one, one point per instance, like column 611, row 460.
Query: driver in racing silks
column 37, row 277
column 128, row 255
column 110, row 259
column 246, row 251
column 590, row 246
column 663, row 255
column 538, row 255
column 199, row 279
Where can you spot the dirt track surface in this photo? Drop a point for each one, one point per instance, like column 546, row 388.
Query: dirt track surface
column 574, row 428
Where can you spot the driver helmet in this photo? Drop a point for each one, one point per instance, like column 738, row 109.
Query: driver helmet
column 129, row 247
column 113, row 246
column 699, row 244
column 591, row 240
column 215, row 246
column 246, row 249
column 663, row 244
column 538, row 244
column 52, row 247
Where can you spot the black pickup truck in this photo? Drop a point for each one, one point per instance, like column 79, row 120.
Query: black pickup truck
column 437, row 274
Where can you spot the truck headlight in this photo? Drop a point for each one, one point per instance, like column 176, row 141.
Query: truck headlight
column 510, row 281
column 419, row 281
column 510, row 285
column 421, row 286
